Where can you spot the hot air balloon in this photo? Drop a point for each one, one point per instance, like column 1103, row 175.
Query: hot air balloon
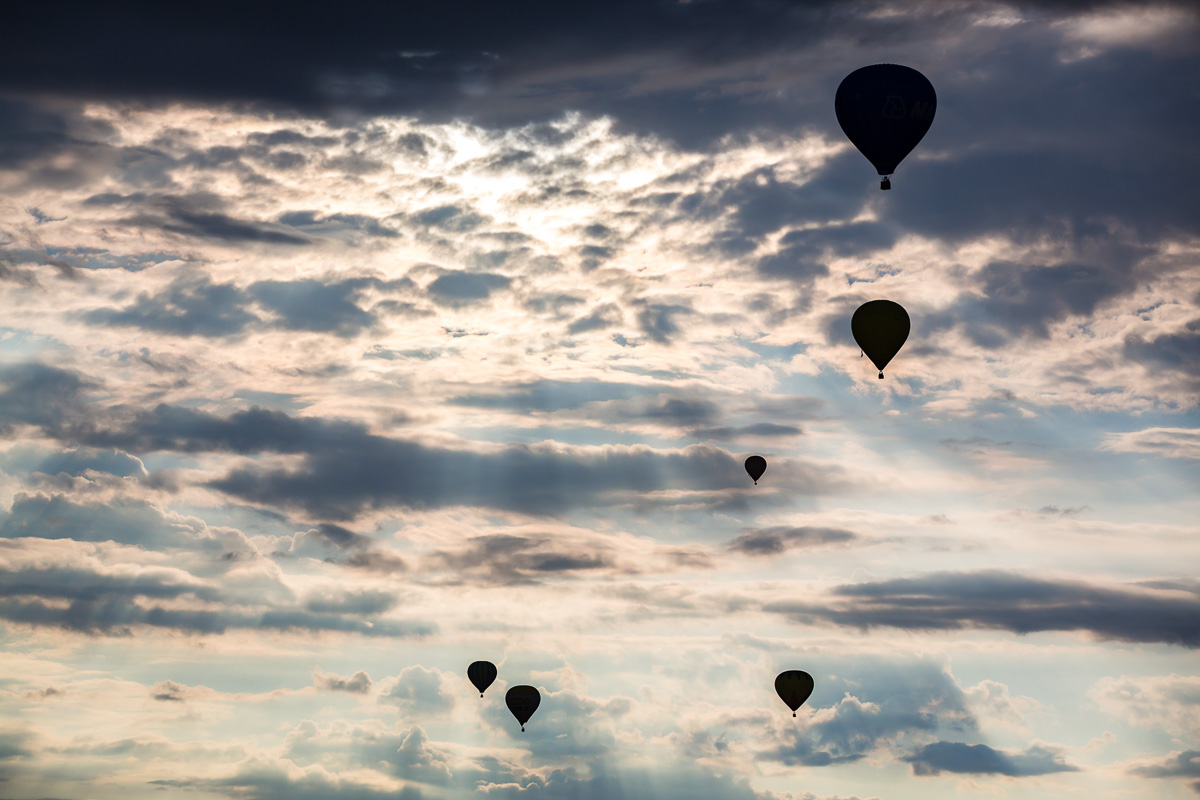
column 522, row 701
column 755, row 467
column 794, row 687
column 884, row 110
column 880, row 328
column 482, row 674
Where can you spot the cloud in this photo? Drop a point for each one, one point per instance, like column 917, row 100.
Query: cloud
column 997, row 600
column 69, row 585
column 772, row 541
column 358, row 683
column 364, row 471
column 191, row 306
column 418, row 690
column 1169, row 702
column 1173, row 351
column 263, row 780
column 979, row 759
column 200, row 215
column 603, row 316
column 657, row 320
column 1185, row 764
column 311, row 305
column 464, row 288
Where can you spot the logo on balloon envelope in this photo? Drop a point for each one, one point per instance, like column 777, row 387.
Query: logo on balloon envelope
column 894, row 108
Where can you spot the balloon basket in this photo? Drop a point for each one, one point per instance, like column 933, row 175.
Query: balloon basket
column 881, row 376
column 885, row 184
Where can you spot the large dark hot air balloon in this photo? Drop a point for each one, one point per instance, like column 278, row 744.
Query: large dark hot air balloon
column 794, row 687
column 885, row 109
column 522, row 701
column 482, row 674
column 755, row 467
column 880, row 327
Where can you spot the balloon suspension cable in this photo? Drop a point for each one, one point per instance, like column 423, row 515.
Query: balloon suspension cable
column 881, row 376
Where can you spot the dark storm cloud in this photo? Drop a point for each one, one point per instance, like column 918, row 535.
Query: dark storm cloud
column 510, row 65
column 451, row 218
column 602, row 316
column 657, row 320
column 189, row 307
column 1048, row 153
column 1177, row 765
column 200, row 215
column 505, row 559
column 14, row 263
column 979, row 759
column 361, row 472
column 1179, row 352
column 757, row 429
column 550, row 395
column 28, row 132
column 124, row 521
column 79, row 462
column 802, row 253
column 341, row 537
column 315, row 224
column 1008, row 601
column 269, row 782
column 346, row 470
column 180, row 429
column 771, row 541
column 358, row 683
column 115, row 603
column 313, row 305
column 1021, row 300
column 193, row 306
column 40, row 395
column 464, row 288
column 377, row 561
column 358, row 601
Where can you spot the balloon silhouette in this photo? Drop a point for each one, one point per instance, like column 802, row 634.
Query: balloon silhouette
column 884, row 110
column 794, row 687
column 522, row 701
column 880, row 328
column 755, row 467
column 482, row 674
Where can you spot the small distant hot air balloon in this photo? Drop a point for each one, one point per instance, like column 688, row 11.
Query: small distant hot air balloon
column 880, row 327
column 522, row 701
column 482, row 674
column 884, row 110
column 794, row 687
column 755, row 467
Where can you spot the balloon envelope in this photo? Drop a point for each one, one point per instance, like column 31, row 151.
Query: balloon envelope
column 884, row 110
column 755, row 467
column 794, row 687
column 522, row 701
column 482, row 674
column 880, row 327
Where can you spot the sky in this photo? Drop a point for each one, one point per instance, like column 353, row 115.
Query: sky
column 345, row 345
